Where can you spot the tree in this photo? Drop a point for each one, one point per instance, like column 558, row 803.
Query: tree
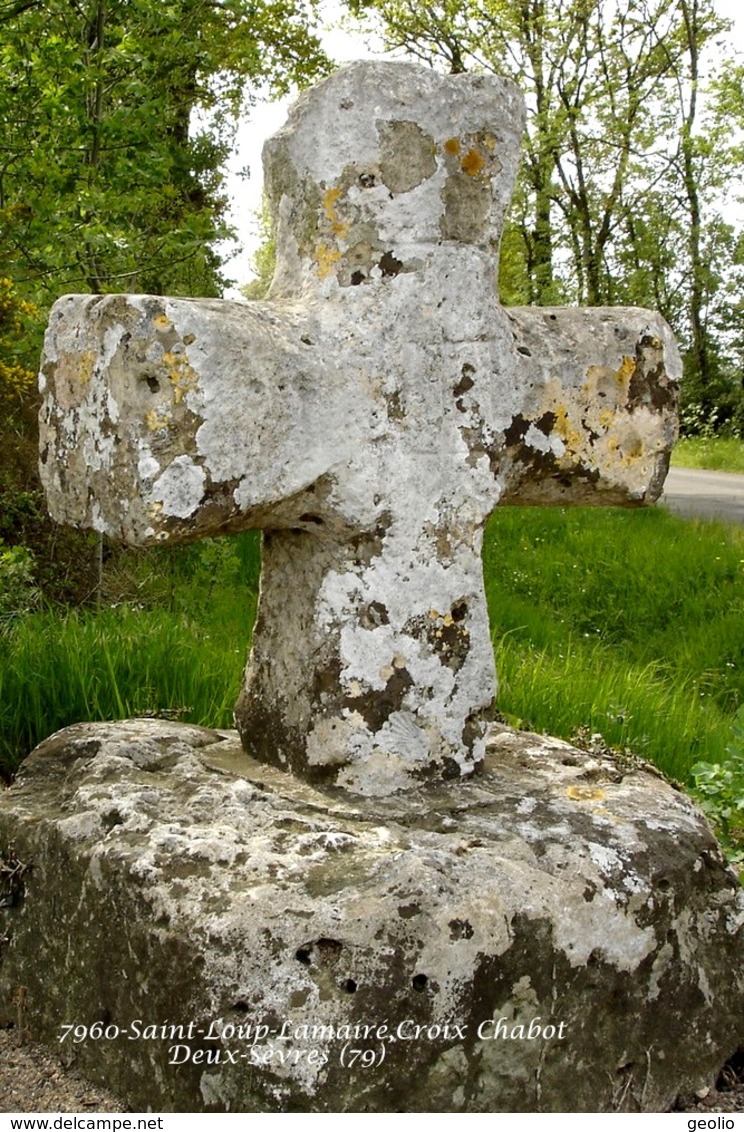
column 616, row 200
column 264, row 258
column 116, row 118
column 118, row 115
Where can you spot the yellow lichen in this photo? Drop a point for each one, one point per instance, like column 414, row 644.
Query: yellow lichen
column 472, row 163
column 338, row 226
column 330, row 196
column 161, row 322
column 570, row 436
column 181, row 375
column 325, row 258
column 626, row 370
column 155, row 421
column 85, row 366
column 452, row 146
column 581, row 793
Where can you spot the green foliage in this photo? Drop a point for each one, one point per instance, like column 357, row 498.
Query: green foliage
column 625, row 171
column 633, row 706
column 719, row 788
column 16, row 377
column 18, row 590
column 264, row 259
column 117, row 663
column 183, row 578
column 716, row 453
column 116, row 118
column 118, row 115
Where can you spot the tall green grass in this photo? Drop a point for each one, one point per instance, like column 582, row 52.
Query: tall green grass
column 173, row 642
column 716, row 453
column 115, row 664
column 629, row 623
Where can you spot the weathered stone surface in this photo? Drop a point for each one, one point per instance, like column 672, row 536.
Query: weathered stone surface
column 173, row 880
column 369, row 418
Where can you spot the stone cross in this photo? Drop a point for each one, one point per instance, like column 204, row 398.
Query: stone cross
column 368, row 418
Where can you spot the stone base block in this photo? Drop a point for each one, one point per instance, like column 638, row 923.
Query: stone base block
column 207, row 933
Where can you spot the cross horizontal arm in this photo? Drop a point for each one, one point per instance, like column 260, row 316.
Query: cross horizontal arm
column 599, row 416
column 175, row 419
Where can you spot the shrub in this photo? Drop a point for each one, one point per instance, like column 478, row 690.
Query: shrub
column 719, row 789
column 18, row 591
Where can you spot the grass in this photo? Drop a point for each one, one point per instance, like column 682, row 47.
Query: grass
column 115, row 664
column 629, row 623
column 178, row 648
column 716, row 453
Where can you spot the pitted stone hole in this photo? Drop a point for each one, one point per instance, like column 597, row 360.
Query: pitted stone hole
column 374, row 615
column 357, row 277
column 367, row 180
column 459, row 611
column 308, row 518
column 152, row 383
column 389, row 265
column 460, row 929
column 307, row 341
column 466, row 383
column 111, row 819
column 732, row 1072
column 570, row 760
column 240, row 1007
column 350, row 986
column 523, row 350
column 663, row 885
column 323, row 952
column 418, row 982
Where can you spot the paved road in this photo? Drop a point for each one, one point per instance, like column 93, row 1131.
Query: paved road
column 708, row 495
